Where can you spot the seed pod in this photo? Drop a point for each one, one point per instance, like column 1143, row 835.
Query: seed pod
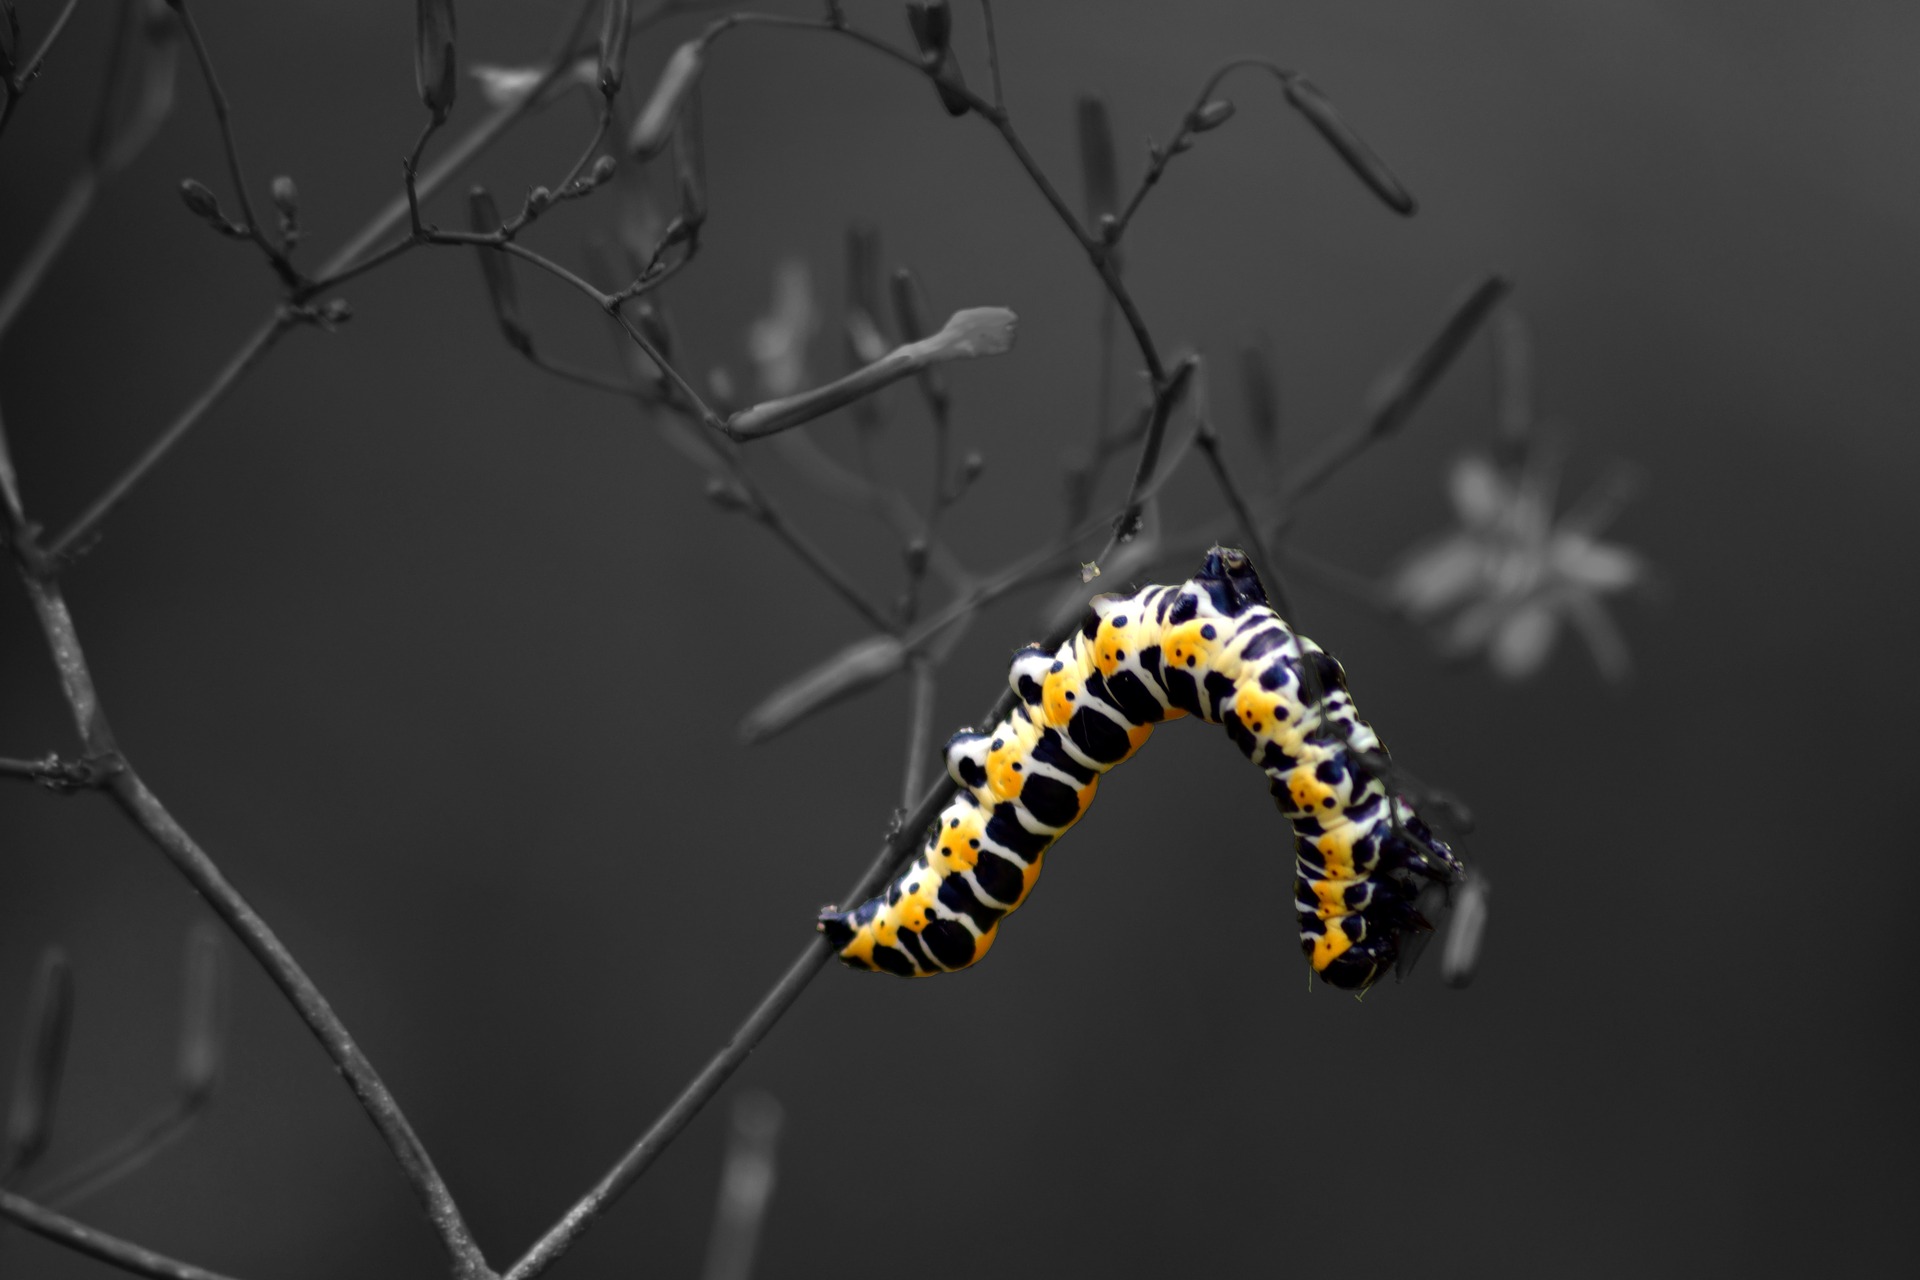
column 202, row 1016
column 1099, row 170
column 655, row 125
column 435, row 68
column 43, row 1056
column 615, row 25
column 1368, row 167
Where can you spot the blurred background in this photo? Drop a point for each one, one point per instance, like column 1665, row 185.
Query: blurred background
column 443, row 660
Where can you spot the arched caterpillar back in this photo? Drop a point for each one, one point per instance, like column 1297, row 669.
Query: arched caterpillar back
column 1211, row 647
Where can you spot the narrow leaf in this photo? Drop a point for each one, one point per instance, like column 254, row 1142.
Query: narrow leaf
column 1401, row 390
column 859, row 666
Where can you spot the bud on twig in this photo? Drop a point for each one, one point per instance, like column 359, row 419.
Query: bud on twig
column 496, row 269
column 1210, row 115
column 1099, row 170
column 1368, row 167
column 436, row 70
column 286, row 199
column 602, row 170
column 43, row 1055
column 728, row 496
column 615, row 25
column 200, row 201
column 915, row 556
column 970, row 468
column 932, row 25
column 655, row 125
column 202, row 1016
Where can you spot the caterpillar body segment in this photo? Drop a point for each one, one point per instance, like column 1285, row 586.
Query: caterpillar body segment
column 1211, row 647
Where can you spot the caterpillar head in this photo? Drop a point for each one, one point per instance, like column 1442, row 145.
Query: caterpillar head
column 1228, row 576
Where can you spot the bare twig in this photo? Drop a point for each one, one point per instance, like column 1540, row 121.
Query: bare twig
column 96, row 1243
column 1304, row 98
column 993, row 54
column 147, row 814
column 16, row 83
column 242, row 360
column 906, row 837
column 919, row 726
column 59, row 228
column 276, row 256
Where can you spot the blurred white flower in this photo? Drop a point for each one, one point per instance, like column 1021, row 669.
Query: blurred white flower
column 777, row 342
column 1511, row 572
column 507, row 86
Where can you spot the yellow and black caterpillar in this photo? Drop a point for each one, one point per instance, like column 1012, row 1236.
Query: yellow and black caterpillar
column 1211, row 647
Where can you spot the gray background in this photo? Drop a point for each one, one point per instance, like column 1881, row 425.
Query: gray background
column 442, row 659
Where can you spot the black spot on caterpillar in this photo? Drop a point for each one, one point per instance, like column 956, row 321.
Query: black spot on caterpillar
column 1211, row 647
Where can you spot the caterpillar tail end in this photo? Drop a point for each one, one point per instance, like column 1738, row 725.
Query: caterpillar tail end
column 838, row 928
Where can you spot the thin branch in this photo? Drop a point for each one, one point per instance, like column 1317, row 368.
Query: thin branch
column 242, row 360
column 1403, row 391
column 993, row 55
column 59, row 228
column 222, row 115
column 18, row 83
column 98, row 1244
column 125, row 1155
column 1208, row 441
column 1167, row 394
column 1304, row 98
column 708, row 417
column 146, row 812
column 812, row 556
column 919, row 725
column 781, row 997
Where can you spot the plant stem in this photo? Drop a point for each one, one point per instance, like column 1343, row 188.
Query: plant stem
column 98, row 1244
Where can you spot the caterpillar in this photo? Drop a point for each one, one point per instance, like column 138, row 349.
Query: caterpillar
column 1211, row 647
